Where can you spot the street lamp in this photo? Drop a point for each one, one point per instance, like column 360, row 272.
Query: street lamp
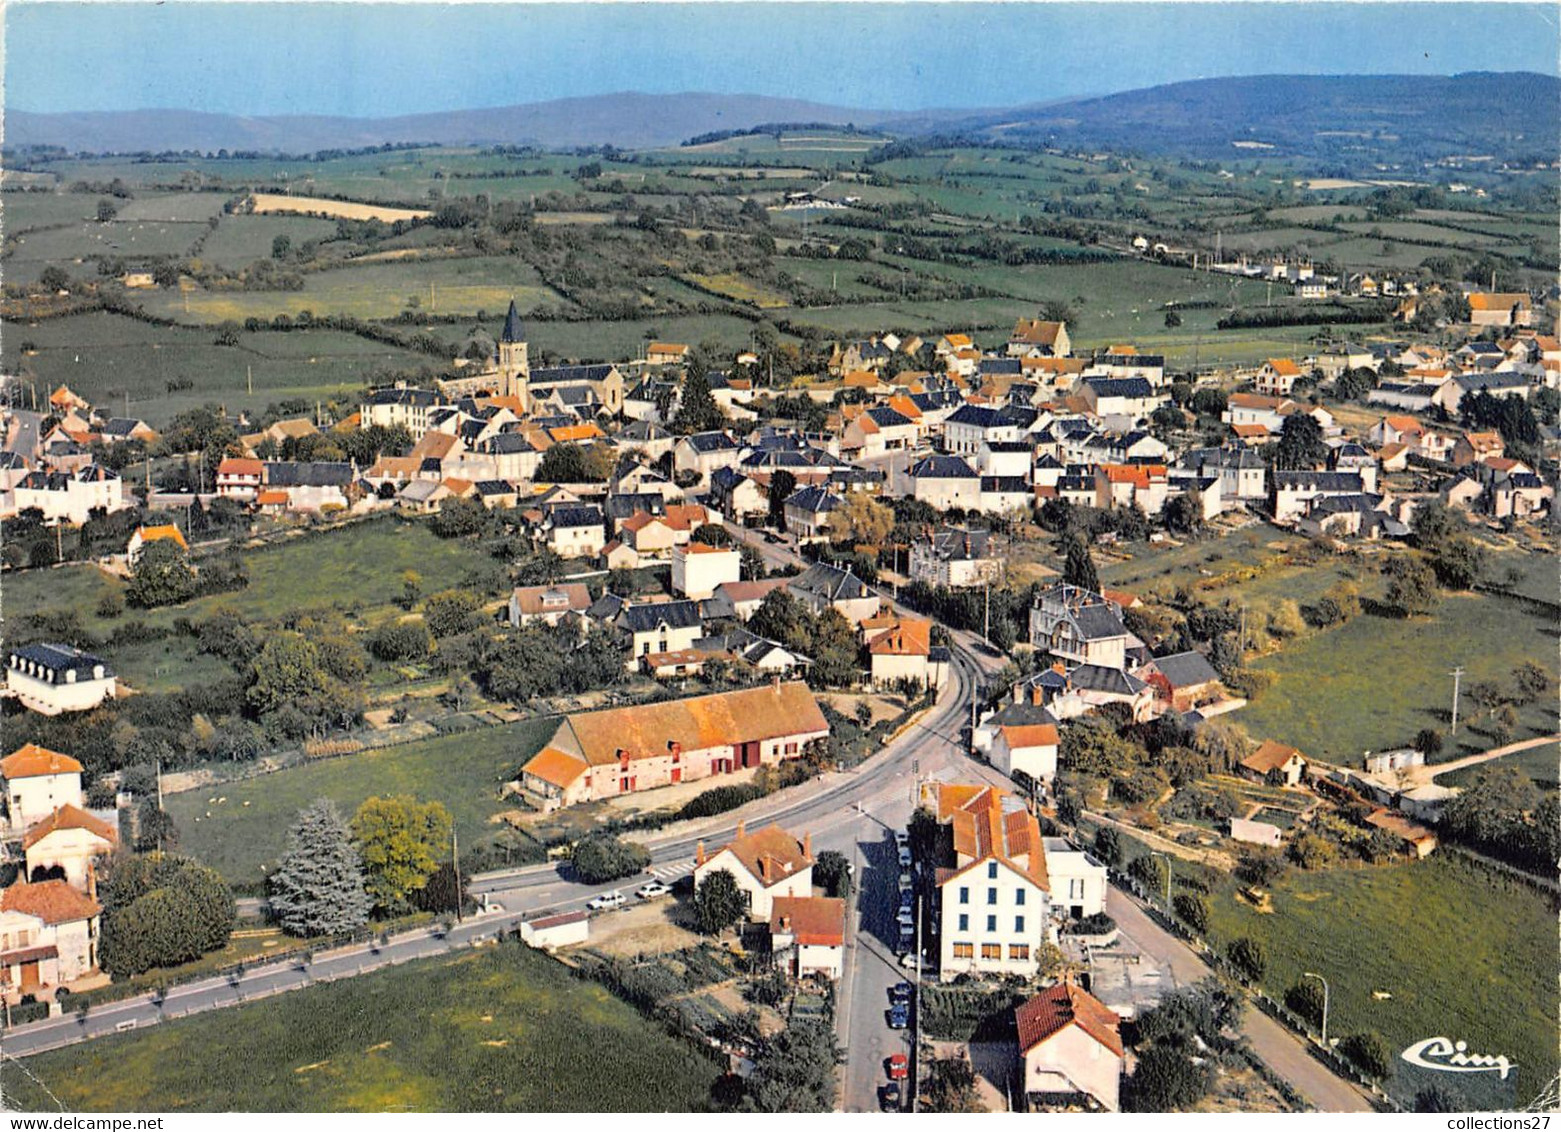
column 1324, row 982
column 1167, row 860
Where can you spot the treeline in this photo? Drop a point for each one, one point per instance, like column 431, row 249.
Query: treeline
column 1327, row 314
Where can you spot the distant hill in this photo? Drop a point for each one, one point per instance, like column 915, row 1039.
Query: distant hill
column 627, row 120
column 1320, row 116
column 1352, row 118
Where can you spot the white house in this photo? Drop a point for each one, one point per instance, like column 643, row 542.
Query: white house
column 65, row 846
column 1031, row 748
column 37, row 782
column 48, row 938
column 992, row 900
column 548, row 604
column 53, row 678
column 1078, row 882
column 698, row 569
column 1072, row 1050
column 809, row 933
column 766, row 864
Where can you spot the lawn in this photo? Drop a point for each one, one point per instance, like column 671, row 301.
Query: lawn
column 1458, row 949
column 505, row 1029
column 1374, row 682
column 243, row 836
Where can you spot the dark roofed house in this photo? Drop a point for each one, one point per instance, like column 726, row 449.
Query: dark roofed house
column 822, row 586
column 55, row 678
column 1182, row 680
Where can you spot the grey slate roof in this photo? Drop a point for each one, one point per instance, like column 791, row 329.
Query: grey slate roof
column 1186, row 669
column 648, row 617
column 829, row 582
column 61, row 659
column 942, row 468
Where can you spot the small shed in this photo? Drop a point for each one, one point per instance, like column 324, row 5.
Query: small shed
column 562, row 930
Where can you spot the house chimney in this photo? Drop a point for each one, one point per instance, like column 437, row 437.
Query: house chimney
column 807, row 845
column 699, row 853
column 92, row 880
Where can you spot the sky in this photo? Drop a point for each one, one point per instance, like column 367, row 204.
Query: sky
column 379, row 60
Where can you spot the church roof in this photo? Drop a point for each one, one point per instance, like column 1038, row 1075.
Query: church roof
column 512, row 329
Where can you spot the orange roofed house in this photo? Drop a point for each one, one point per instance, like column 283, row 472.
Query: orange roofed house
column 1072, row 1049
column 766, row 864
column 1275, row 764
column 602, row 754
column 37, row 781
column 809, row 932
column 64, row 846
column 48, row 938
column 902, row 653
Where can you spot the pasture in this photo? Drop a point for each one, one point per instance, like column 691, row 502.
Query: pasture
column 1373, row 683
column 1455, row 946
column 243, row 837
column 105, row 357
column 504, row 1029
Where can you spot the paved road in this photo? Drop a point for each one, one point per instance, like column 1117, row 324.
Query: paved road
column 1286, row 1054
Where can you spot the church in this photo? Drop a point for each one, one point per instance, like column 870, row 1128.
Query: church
column 581, row 391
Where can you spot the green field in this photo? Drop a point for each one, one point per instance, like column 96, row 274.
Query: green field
column 104, row 356
column 378, row 290
column 240, row 240
column 505, row 1029
column 245, row 835
column 1457, row 948
column 1373, row 683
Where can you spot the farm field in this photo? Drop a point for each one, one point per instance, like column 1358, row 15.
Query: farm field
column 1453, row 944
column 22, row 212
column 1373, row 683
column 104, row 356
column 65, row 246
column 503, row 1029
column 242, row 239
column 381, row 290
column 336, row 209
column 245, row 835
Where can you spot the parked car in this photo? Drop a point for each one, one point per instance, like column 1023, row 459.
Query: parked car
column 889, row 1097
column 771, row 537
column 901, row 838
column 651, row 889
column 897, row 1066
column 899, row 1016
column 901, row 992
column 908, row 961
column 906, row 919
column 606, row 901
column 905, row 856
column 906, row 883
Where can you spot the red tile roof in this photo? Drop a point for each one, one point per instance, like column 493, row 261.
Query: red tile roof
column 817, row 921
column 1063, row 1005
column 1270, row 756
column 52, row 901
column 770, row 855
column 33, row 761
column 69, row 817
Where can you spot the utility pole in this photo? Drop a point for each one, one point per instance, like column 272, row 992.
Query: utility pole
column 916, row 1028
column 1457, row 675
column 249, row 379
column 986, row 616
column 455, row 862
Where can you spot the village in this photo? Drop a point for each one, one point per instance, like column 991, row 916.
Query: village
column 916, row 532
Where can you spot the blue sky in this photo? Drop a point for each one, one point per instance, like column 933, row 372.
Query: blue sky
column 378, row 60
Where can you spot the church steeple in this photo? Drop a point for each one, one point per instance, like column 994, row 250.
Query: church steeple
column 514, row 358
column 512, row 328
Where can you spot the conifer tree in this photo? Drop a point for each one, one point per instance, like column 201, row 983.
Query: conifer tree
column 318, row 888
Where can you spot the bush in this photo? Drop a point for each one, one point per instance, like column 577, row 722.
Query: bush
column 1305, row 998
column 1192, row 911
column 1368, row 1053
column 399, row 642
column 1097, row 924
column 1248, row 957
column 718, row 800
column 602, row 857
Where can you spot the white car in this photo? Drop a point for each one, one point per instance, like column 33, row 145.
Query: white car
column 651, row 889
column 902, row 838
column 606, row 901
column 905, row 857
column 908, row 960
